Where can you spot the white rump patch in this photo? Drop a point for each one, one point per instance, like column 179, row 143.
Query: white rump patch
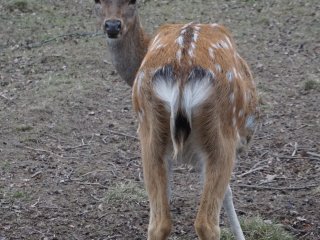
column 196, row 92
column 167, row 91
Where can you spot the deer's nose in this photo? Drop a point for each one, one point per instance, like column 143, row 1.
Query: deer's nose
column 113, row 28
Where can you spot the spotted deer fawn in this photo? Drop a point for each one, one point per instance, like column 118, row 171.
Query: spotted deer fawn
column 196, row 102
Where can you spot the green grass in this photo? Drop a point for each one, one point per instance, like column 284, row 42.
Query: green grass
column 311, row 85
column 18, row 195
column 5, row 166
column 22, row 6
column 126, row 193
column 257, row 229
column 24, row 128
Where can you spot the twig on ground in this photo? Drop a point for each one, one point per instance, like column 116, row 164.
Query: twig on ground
column 77, row 34
column 88, row 173
column 6, row 98
column 97, row 199
column 91, row 184
column 119, row 134
column 313, row 154
column 107, row 62
column 44, row 42
column 36, row 203
column 276, row 188
column 252, row 170
column 295, row 149
column 290, row 157
column 114, row 236
column 43, row 150
column 75, row 147
column 49, row 152
column 36, row 174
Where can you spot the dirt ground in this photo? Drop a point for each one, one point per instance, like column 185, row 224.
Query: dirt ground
column 68, row 134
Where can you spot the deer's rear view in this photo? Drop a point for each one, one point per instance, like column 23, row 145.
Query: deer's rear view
column 195, row 99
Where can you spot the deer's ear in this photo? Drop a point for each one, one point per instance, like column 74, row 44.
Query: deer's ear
column 97, row 1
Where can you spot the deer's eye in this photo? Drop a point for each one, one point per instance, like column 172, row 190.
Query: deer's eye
column 132, row 2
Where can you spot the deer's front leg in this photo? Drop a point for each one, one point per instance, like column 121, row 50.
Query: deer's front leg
column 156, row 181
column 217, row 174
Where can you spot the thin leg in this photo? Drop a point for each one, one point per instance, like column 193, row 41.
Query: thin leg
column 232, row 215
column 217, row 174
column 156, row 181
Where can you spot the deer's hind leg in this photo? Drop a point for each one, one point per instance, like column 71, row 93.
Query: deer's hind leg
column 153, row 146
column 218, row 162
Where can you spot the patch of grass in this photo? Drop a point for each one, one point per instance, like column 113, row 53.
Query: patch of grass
column 250, row 1
column 21, row 5
column 126, row 193
column 18, row 195
column 311, row 85
column 5, row 166
column 257, row 229
column 24, row 128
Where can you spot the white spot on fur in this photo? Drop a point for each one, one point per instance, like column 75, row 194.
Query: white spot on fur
column 220, row 44
column 229, row 42
column 180, row 41
column 156, row 44
column 241, row 113
column 197, row 27
column 214, row 25
column 211, row 53
column 218, row 68
column 143, row 62
column 195, row 36
column 235, row 72
column 234, row 122
column 231, row 98
column 230, row 76
column 191, row 50
column 238, row 136
column 223, row 44
column 155, row 39
column 179, row 54
column 247, row 96
column 240, row 76
column 214, row 45
column 187, row 25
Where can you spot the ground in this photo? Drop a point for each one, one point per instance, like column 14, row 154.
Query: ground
column 69, row 157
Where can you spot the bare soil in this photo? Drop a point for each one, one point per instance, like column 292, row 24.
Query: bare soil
column 68, row 133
